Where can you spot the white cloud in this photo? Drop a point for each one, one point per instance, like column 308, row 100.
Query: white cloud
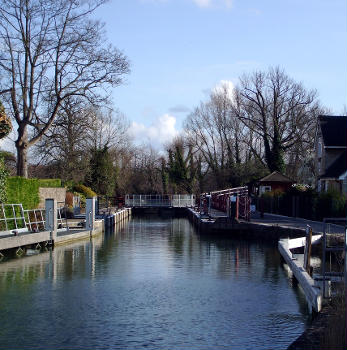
column 210, row 3
column 202, row 3
column 225, row 85
column 161, row 131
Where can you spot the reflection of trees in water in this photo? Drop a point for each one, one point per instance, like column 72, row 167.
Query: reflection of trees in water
column 232, row 254
column 179, row 231
column 111, row 241
column 272, row 262
column 229, row 254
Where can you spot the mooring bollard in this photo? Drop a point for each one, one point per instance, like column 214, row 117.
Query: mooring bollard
column 51, row 218
column 90, row 214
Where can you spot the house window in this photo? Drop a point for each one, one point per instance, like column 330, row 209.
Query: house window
column 263, row 189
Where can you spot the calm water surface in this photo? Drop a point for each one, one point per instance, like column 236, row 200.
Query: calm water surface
column 152, row 284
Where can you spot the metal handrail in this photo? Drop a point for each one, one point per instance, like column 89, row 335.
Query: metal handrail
column 14, row 217
column 166, row 200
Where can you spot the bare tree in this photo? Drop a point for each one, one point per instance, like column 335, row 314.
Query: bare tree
column 65, row 145
column 52, row 50
column 278, row 110
column 77, row 131
column 218, row 135
column 146, row 170
column 108, row 127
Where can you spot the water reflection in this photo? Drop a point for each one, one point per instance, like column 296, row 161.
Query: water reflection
column 152, row 282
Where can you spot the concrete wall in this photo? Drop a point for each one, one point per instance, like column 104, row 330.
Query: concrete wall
column 51, row 192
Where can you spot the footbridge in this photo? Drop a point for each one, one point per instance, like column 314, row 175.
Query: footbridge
column 160, row 200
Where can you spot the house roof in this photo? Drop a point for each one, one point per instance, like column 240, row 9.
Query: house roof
column 334, row 130
column 338, row 168
column 276, row 176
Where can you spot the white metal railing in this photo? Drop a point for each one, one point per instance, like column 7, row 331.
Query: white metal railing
column 157, row 200
column 14, row 218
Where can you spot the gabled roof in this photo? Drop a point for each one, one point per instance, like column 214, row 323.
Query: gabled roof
column 338, row 168
column 334, row 130
column 276, row 176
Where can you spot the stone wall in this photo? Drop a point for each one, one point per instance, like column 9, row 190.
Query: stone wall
column 57, row 193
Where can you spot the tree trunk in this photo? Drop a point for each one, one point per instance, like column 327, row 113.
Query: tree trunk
column 22, row 154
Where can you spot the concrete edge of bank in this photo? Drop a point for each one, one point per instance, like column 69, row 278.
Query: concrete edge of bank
column 23, row 239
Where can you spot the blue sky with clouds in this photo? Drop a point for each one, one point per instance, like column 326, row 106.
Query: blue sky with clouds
column 181, row 49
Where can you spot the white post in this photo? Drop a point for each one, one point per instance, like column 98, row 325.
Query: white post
column 51, row 217
column 90, row 214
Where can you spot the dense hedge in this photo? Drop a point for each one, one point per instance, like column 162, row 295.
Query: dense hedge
column 21, row 190
column 26, row 191
column 50, row 183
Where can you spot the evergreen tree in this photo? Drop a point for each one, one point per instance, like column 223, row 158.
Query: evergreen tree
column 102, row 174
column 182, row 170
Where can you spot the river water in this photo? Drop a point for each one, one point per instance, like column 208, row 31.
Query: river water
column 152, row 284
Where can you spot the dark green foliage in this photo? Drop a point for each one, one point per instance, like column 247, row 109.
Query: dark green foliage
column 5, row 123
column 102, row 174
column 275, row 160
column 3, row 179
column 305, row 202
column 181, row 170
column 330, row 204
column 164, row 177
column 49, row 182
column 22, row 190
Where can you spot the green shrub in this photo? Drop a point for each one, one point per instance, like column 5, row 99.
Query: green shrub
column 84, row 190
column 49, row 182
column 330, row 204
column 22, row 190
column 69, row 185
column 273, row 194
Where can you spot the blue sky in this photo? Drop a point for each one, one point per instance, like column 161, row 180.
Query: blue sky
column 180, row 49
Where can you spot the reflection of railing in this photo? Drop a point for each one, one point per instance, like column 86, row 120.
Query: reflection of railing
column 166, row 200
